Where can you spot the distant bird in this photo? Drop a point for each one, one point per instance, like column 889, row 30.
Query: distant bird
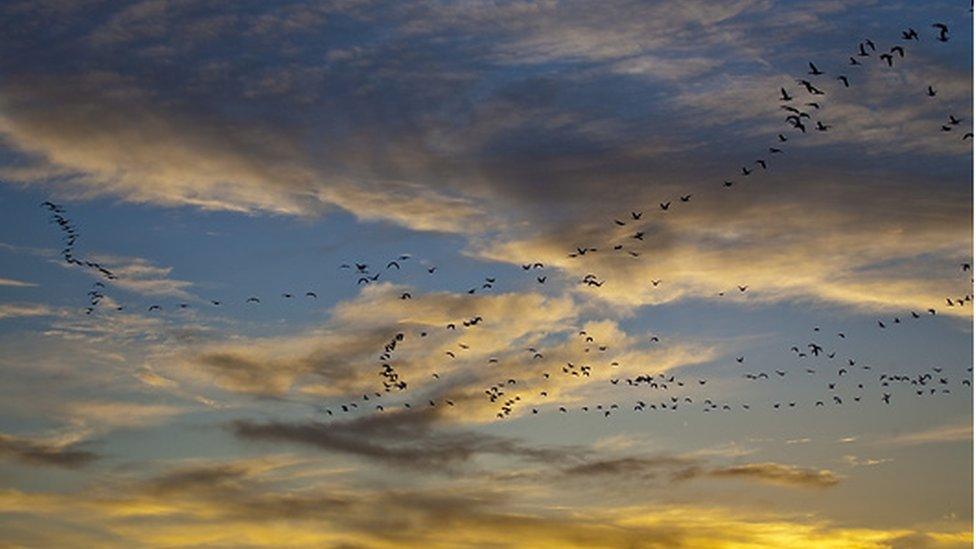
column 844, row 80
column 814, row 70
column 784, row 96
column 886, row 57
column 930, row 92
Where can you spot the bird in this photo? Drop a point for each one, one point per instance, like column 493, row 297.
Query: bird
column 762, row 163
column 541, row 279
column 814, row 70
column 844, row 80
column 665, row 205
column 822, row 127
column 784, row 96
column 899, row 50
column 252, row 300
column 909, row 34
column 887, row 58
column 685, row 198
column 930, row 92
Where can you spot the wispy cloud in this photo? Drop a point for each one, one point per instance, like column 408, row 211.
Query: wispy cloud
column 16, row 283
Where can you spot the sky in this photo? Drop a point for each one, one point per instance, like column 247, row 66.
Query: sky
column 489, row 274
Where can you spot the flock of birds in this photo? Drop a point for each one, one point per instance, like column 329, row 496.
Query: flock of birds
column 845, row 378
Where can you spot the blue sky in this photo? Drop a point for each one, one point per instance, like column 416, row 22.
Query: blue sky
column 213, row 152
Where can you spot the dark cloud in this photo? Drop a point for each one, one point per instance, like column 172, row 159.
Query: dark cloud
column 681, row 468
column 403, row 438
column 632, row 467
column 34, row 452
column 777, row 473
column 433, row 116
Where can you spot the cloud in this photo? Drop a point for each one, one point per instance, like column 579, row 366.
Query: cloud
column 401, row 438
column 828, row 252
column 243, row 503
column 141, row 276
column 327, row 362
column 16, row 283
column 777, row 473
column 684, row 468
column 18, row 310
column 108, row 414
column 124, row 143
column 935, row 435
column 43, row 453
column 855, row 461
